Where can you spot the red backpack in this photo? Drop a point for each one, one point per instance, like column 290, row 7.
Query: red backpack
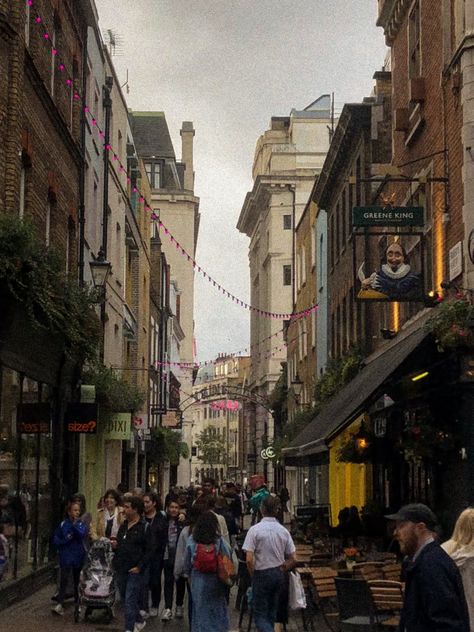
column 205, row 560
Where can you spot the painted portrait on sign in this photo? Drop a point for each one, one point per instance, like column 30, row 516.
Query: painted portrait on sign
column 395, row 279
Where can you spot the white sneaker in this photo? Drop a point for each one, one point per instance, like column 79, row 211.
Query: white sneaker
column 58, row 609
column 144, row 614
column 178, row 613
column 139, row 626
column 167, row 615
column 153, row 612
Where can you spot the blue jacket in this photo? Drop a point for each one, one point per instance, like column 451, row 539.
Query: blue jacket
column 434, row 595
column 69, row 540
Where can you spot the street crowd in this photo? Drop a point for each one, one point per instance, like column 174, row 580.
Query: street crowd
column 192, row 545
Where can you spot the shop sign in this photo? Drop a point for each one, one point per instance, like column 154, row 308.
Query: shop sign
column 81, row 418
column 227, row 404
column 118, row 427
column 34, row 418
column 388, row 216
column 268, row 453
column 455, row 261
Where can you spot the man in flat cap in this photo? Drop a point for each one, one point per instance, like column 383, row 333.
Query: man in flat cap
column 434, row 596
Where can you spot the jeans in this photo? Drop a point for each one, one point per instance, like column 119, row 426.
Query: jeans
column 266, row 586
column 65, row 574
column 169, row 585
column 131, row 593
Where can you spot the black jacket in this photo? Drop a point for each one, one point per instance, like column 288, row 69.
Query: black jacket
column 159, row 534
column 434, row 595
column 134, row 547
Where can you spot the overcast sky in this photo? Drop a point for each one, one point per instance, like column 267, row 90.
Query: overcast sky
column 228, row 66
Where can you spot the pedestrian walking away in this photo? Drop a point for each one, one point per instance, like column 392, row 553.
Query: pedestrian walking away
column 270, row 552
column 209, row 596
column 434, row 595
column 133, row 551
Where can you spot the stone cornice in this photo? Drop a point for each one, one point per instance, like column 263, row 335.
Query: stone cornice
column 391, row 15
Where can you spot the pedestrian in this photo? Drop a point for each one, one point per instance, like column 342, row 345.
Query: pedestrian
column 133, row 550
column 158, row 527
column 270, row 552
column 209, row 502
column 175, row 523
column 434, row 596
column 209, row 605
column 284, row 496
column 109, row 518
column 69, row 539
column 257, row 483
column 180, row 558
column 461, row 549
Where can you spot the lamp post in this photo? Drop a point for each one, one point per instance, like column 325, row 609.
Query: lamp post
column 100, row 270
column 297, row 386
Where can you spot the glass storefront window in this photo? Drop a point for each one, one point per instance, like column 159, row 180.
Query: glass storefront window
column 25, row 497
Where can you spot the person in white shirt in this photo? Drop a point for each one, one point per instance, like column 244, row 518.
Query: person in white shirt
column 270, row 552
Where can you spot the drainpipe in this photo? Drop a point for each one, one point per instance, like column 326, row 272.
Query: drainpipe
column 82, row 171
column 292, row 189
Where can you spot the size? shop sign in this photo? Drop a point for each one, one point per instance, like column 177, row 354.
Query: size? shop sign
column 81, row 418
column 388, row 216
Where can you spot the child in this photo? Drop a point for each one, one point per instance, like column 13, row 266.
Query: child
column 69, row 540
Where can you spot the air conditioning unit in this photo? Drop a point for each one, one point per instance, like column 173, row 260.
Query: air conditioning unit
column 401, row 119
column 417, row 89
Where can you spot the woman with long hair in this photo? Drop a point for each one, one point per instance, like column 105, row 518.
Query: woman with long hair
column 209, row 607
column 461, row 549
column 192, row 516
column 108, row 518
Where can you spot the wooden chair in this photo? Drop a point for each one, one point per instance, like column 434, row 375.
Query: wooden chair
column 388, row 601
column 392, row 571
column 368, row 570
column 324, row 591
column 356, row 606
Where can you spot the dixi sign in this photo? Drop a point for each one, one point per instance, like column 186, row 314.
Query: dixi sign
column 118, row 427
column 388, row 216
column 81, row 418
column 227, row 404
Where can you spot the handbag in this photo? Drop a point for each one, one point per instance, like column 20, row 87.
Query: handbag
column 225, row 569
column 297, row 597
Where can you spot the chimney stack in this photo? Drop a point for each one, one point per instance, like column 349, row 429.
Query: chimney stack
column 187, row 134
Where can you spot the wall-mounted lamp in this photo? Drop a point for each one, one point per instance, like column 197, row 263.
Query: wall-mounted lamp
column 100, row 270
column 297, row 386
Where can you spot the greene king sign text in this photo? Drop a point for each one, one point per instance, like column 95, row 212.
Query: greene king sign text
column 388, row 216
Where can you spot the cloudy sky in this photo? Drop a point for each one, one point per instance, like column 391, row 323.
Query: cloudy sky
column 228, row 66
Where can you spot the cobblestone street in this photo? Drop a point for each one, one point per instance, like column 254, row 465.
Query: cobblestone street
column 33, row 614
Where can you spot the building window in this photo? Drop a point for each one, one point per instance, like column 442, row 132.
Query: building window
column 153, row 170
column 286, row 222
column 287, row 275
column 27, row 24
column 414, row 49
column 49, row 209
column 22, row 191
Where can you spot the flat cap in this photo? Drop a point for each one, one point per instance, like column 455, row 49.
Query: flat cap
column 415, row 512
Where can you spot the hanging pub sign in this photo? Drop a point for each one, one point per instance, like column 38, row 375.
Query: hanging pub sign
column 392, row 268
column 34, row 418
column 366, row 216
column 81, row 418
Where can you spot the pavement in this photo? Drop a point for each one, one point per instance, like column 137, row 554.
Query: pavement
column 33, row 614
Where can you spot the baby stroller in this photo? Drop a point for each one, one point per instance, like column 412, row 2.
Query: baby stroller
column 97, row 583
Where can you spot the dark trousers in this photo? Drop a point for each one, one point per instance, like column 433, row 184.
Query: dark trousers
column 131, row 592
column 266, row 587
column 65, row 574
column 152, row 583
column 168, row 566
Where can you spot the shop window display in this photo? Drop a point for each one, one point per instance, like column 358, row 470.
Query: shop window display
column 25, row 497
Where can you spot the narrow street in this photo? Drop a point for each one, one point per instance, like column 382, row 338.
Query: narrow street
column 33, row 614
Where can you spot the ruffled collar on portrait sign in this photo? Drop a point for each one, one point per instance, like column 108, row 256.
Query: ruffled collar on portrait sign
column 402, row 271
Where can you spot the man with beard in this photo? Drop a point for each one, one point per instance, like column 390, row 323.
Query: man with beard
column 434, row 596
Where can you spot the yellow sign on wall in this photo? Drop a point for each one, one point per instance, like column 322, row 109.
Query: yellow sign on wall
column 118, row 427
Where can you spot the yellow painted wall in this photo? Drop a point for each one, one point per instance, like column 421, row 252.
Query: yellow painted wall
column 349, row 483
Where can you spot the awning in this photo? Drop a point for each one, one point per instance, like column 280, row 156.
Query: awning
column 351, row 400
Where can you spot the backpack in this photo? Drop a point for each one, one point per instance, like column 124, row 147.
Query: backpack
column 205, row 560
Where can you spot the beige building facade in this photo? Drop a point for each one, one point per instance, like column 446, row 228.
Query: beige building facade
column 288, row 156
column 174, row 201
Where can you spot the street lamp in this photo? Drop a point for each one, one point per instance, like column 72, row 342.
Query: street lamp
column 297, row 386
column 100, row 269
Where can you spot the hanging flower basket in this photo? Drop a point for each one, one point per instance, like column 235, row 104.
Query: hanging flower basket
column 452, row 324
column 424, row 441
